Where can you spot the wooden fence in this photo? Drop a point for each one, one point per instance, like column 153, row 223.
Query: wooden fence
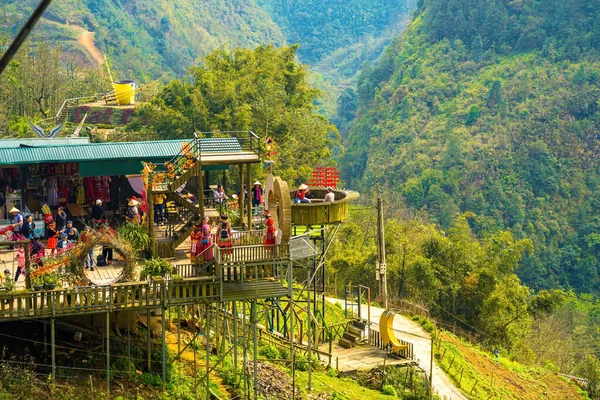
column 250, row 254
column 119, row 296
column 375, row 340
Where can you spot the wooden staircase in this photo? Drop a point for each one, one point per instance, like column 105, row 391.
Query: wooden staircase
column 354, row 334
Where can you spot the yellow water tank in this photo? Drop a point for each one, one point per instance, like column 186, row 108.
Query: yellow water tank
column 125, row 92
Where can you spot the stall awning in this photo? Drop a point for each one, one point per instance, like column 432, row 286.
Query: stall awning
column 159, row 150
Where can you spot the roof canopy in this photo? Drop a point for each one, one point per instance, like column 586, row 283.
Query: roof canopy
column 219, row 149
column 38, row 142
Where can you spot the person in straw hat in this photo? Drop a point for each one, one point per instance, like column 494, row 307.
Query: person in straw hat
column 257, row 196
column 133, row 212
column 17, row 223
column 302, row 194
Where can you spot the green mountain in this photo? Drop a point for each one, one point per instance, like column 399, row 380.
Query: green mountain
column 149, row 38
column 155, row 38
column 491, row 107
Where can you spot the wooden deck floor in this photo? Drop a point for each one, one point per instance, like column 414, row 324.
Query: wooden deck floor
column 361, row 358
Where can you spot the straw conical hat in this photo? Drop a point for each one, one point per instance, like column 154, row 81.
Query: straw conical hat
column 303, row 187
column 14, row 209
column 257, row 183
column 132, row 203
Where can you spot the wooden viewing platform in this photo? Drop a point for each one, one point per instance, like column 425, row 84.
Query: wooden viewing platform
column 238, row 273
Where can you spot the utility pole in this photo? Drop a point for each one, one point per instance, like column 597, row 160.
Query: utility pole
column 381, row 267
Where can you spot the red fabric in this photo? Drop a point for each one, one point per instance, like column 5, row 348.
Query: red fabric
column 270, row 233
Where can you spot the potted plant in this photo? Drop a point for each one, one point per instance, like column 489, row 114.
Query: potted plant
column 155, row 269
column 37, row 283
column 138, row 236
column 50, row 281
column 176, row 278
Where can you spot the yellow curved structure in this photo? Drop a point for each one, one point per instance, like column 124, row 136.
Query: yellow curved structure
column 386, row 329
column 125, row 92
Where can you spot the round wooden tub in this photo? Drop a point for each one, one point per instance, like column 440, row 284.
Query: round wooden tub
column 320, row 213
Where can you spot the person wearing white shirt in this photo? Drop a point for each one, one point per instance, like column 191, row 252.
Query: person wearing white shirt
column 330, row 196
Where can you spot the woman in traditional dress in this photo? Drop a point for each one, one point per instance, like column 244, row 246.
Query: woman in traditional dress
column 225, row 233
column 196, row 239
column 206, row 239
column 52, row 237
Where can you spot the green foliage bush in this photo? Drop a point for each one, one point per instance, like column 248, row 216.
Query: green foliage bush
column 136, row 234
column 270, row 352
column 155, row 267
column 389, row 390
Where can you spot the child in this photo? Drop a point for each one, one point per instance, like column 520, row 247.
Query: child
column 7, row 282
column 20, row 257
column 52, row 236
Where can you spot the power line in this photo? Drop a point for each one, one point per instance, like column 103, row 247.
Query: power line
column 25, row 31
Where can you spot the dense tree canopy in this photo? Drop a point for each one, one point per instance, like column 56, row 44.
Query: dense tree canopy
column 264, row 90
column 460, row 116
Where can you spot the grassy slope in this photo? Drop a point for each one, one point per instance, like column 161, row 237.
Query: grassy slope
column 469, row 367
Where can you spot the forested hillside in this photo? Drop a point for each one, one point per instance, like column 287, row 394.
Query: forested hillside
column 150, row 38
column 164, row 38
column 491, row 107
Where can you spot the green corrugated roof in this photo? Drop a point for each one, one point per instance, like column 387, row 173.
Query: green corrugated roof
column 9, row 143
column 159, row 149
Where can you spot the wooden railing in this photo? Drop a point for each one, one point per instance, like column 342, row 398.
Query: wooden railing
column 89, row 299
column 196, row 270
column 249, row 254
column 375, row 340
column 244, row 238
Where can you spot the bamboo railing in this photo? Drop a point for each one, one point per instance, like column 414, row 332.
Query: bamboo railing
column 120, row 296
column 319, row 212
column 250, row 254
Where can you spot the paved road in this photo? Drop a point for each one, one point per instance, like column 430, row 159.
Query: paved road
column 411, row 331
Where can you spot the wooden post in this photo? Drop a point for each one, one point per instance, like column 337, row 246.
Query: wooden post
column 178, row 330
column 242, row 198
column 164, row 347
column 431, row 370
column 150, row 202
column 53, row 348
column 381, row 253
column 207, row 360
column 108, row 354
column 27, row 265
column 235, row 343
column 201, row 190
column 473, row 388
column 249, row 197
column 149, row 343
column 255, row 349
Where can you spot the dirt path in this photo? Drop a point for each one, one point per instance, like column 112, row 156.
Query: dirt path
column 86, row 39
column 415, row 334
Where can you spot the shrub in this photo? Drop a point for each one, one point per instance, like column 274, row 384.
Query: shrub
column 338, row 396
column 155, row 267
column 389, row 390
column 136, row 234
column 269, row 352
column 427, row 325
